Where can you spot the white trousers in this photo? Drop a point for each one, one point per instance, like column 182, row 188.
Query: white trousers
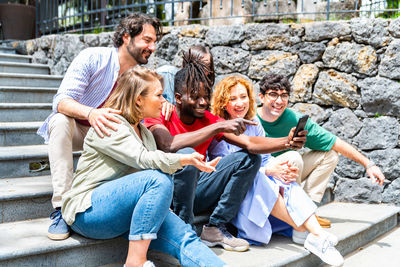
column 66, row 136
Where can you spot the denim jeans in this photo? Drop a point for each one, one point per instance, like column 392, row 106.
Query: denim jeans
column 137, row 205
column 221, row 191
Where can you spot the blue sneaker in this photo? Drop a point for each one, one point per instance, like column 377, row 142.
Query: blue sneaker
column 58, row 229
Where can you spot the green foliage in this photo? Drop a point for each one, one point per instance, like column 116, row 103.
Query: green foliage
column 377, row 115
column 391, row 4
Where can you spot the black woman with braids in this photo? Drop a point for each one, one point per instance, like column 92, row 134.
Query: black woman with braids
column 192, row 127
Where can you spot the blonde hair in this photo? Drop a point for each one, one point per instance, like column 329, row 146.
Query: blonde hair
column 222, row 94
column 133, row 83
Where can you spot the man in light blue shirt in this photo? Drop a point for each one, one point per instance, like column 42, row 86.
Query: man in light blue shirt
column 77, row 106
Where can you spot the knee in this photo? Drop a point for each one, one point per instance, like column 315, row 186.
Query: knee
column 254, row 160
column 163, row 183
column 250, row 163
column 186, row 150
column 295, row 159
column 332, row 156
column 186, row 176
column 61, row 121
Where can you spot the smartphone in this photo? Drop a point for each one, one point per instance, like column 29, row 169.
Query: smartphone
column 301, row 124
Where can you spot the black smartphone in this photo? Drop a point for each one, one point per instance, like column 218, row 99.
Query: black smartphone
column 301, row 124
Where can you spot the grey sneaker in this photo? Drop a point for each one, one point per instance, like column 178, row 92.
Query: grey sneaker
column 218, row 235
column 323, row 248
column 58, row 229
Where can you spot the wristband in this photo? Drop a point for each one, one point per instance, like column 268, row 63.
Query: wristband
column 90, row 111
column 370, row 164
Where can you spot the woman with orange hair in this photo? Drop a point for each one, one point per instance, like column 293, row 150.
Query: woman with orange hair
column 274, row 191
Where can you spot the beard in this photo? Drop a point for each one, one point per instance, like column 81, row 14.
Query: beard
column 141, row 56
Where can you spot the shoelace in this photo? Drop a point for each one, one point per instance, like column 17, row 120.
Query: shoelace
column 224, row 231
column 326, row 245
column 53, row 216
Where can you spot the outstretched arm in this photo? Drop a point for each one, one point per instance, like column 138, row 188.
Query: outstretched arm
column 263, row 145
column 350, row 152
column 169, row 143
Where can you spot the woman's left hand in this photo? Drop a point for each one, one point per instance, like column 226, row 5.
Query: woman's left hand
column 197, row 160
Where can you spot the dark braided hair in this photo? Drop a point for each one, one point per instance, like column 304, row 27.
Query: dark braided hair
column 200, row 51
column 192, row 76
column 274, row 82
column 133, row 25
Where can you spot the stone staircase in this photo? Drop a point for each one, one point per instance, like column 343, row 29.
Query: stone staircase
column 26, row 92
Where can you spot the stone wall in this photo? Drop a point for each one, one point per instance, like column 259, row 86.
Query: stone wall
column 344, row 74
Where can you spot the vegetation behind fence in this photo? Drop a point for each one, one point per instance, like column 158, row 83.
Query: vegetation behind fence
column 94, row 16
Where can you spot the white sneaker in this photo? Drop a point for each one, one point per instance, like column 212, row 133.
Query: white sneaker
column 323, row 248
column 300, row 237
column 331, row 237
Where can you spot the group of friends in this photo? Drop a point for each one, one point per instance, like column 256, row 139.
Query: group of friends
column 160, row 146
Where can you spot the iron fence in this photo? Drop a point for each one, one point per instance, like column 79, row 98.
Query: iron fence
column 85, row 16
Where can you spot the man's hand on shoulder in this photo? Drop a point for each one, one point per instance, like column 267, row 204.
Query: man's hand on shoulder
column 101, row 118
column 235, row 126
column 296, row 142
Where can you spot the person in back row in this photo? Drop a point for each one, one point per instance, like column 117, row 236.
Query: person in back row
column 78, row 104
column 317, row 164
column 274, row 191
column 192, row 125
column 168, row 72
column 122, row 186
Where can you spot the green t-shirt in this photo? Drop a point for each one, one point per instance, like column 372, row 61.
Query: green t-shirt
column 317, row 138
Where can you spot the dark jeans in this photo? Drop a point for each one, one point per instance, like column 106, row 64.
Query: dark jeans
column 221, row 191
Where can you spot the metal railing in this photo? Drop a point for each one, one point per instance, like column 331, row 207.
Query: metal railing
column 94, row 16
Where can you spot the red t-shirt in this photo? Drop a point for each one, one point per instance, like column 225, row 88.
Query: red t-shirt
column 175, row 126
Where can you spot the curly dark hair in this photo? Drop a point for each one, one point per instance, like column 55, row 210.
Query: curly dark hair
column 274, row 82
column 133, row 25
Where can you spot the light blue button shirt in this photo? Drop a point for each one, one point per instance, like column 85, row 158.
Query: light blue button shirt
column 88, row 80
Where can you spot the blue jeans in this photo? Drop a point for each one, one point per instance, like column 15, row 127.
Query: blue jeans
column 221, row 191
column 137, row 205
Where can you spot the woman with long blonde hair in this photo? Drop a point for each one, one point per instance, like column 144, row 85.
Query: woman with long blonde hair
column 123, row 185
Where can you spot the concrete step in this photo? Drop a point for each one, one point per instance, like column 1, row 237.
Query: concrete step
column 30, row 80
column 383, row 251
column 354, row 224
column 25, row 243
column 19, row 112
column 25, row 198
column 6, row 57
column 18, row 94
column 23, row 161
column 7, row 50
column 25, row 68
column 19, row 133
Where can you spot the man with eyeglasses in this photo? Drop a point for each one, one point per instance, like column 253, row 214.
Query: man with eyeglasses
column 318, row 162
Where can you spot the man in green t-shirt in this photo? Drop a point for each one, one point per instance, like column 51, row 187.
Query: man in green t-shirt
column 316, row 164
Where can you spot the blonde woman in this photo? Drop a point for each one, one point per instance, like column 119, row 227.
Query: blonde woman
column 274, row 191
column 123, row 185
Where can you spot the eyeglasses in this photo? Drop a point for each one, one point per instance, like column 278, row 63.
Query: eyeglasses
column 274, row 96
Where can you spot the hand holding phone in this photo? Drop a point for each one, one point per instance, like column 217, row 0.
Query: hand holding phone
column 301, row 124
